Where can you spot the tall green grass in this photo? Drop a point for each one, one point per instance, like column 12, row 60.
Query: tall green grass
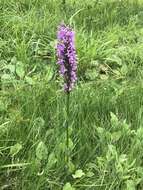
column 106, row 107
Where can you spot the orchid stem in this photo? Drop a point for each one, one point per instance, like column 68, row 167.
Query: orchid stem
column 67, row 125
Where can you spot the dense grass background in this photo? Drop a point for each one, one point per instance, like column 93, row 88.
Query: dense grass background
column 106, row 107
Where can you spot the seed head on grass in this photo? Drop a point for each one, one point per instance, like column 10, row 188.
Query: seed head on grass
column 67, row 58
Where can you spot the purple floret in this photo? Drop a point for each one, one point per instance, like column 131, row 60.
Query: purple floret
column 67, row 58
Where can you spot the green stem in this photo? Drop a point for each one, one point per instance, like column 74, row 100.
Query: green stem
column 67, row 125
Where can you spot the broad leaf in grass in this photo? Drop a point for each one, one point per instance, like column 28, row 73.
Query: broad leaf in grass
column 78, row 174
column 15, row 149
column 68, row 186
column 51, row 160
column 41, row 151
column 20, row 69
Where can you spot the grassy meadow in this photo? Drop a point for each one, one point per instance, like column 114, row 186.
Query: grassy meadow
column 106, row 106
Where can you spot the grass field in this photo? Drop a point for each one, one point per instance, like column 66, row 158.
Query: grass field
column 106, row 106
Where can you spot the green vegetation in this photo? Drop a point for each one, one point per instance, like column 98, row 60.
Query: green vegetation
column 106, row 107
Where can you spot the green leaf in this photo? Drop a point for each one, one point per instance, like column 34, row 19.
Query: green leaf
column 124, row 69
column 101, row 133
column 50, row 72
column 3, row 107
column 51, row 160
column 29, row 80
column 78, row 174
column 100, row 130
column 123, row 158
column 114, row 59
column 10, row 67
column 15, row 149
column 89, row 174
column 114, row 119
column 71, row 167
column 6, row 77
column 130, row 185
column 39, row 122
column 41, row 151
column 111, row 152
column 20, row 70
column 14, row 60
column 68, row 186
column 115, row 136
